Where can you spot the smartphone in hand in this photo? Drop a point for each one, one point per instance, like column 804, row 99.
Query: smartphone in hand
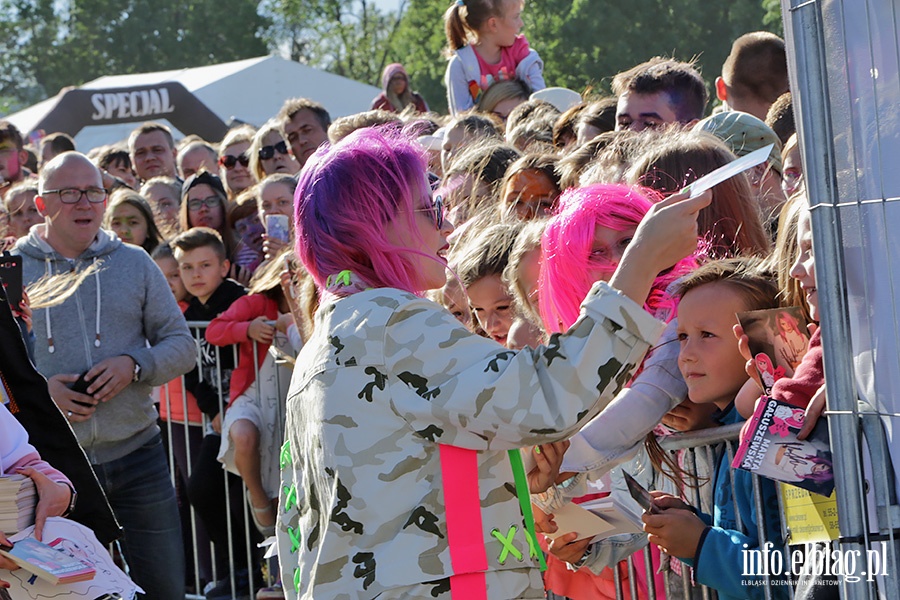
column 11, row 278
column 278, row 227
column 81, row 386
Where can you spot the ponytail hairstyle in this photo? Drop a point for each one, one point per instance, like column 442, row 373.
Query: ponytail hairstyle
column 566, row 262
column 464, row 18
column 340, row 217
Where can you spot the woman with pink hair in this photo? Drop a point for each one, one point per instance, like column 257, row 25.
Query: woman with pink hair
column 394, row 472
column 790, row 343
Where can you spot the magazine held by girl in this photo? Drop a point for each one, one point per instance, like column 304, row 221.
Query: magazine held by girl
column 771, row 449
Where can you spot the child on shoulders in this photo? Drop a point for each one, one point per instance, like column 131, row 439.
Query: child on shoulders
column 484, row 45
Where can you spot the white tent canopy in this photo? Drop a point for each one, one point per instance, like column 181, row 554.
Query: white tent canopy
column 251, row 91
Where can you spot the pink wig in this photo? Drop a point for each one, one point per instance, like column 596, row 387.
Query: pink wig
column 764, row 363
column 346, row 195
column 792, row 321
column 566, row 246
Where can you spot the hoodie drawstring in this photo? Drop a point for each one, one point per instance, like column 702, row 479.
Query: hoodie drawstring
column 48, row 271
column 97, row 326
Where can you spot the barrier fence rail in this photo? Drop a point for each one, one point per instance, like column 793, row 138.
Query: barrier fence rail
column 844, row 68
column 184, row 428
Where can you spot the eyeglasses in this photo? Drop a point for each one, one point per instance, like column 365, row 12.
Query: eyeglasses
column 228, row 161
column 267, row 152
column 436, row 211
column 73, row 195
column 208, row 202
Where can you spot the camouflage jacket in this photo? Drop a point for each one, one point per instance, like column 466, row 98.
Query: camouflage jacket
column 385, row 379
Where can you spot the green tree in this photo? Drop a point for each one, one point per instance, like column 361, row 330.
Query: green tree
column 418, row 45
column 585, row 42
column 49, row 45
column 346, row 37
column 773, row 19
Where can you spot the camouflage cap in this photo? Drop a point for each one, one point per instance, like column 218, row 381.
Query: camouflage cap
column 743, row 133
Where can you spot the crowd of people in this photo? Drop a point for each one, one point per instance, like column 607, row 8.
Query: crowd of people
column 384, row 304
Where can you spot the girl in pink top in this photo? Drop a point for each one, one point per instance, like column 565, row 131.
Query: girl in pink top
column 484, row 46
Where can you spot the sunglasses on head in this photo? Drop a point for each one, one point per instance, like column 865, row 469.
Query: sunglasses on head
column 228, row 161
column 267, row 152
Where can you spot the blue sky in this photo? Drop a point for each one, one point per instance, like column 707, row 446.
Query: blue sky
column 387, row 4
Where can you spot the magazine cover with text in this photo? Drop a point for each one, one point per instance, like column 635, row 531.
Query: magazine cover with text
column 770, row 448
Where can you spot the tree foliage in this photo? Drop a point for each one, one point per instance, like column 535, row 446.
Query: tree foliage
column 346, row 37
column 585, row 42
column 48, row 45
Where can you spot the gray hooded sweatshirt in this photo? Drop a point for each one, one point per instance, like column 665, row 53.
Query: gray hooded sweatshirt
column 125, row 308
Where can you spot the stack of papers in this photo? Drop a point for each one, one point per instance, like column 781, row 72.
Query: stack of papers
column 17, row 501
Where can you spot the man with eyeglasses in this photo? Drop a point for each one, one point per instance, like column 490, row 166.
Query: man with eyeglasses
column 123, row 333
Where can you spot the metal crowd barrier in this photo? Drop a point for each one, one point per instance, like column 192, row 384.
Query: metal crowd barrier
column 204, row 555
column 697, row 446
column 843, row 60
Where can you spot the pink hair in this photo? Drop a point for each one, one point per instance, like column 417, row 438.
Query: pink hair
column 346, row 195
column 566, row 249
column 767, row 363
column 795, row 325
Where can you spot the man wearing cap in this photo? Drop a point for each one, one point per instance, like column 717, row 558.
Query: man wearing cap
column 123, row 335
column 744, row 133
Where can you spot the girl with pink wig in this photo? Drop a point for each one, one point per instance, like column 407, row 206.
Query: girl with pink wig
column 394, row 475
column 585, row 240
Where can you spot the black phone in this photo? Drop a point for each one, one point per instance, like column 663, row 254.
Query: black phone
column 11, row 277
column 81, row 386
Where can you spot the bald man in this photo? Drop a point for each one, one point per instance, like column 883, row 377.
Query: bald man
column 126, row 334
